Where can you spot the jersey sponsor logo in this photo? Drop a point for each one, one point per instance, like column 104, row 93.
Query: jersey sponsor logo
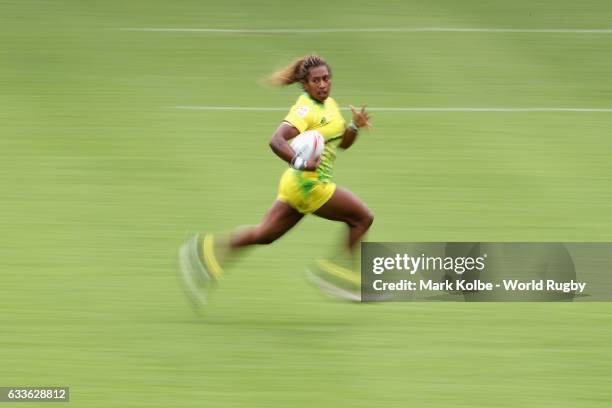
column 302, row 111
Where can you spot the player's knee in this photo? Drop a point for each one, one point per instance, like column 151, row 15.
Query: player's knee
column 363, row 221
column 367, row 220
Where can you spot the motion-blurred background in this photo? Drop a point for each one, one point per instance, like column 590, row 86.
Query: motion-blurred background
column 113, row 148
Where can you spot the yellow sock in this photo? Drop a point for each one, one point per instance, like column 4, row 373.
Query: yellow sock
column 210, row 260
column 347, row 275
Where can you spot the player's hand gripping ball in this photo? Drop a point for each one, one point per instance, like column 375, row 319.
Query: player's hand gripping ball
column 308, row 147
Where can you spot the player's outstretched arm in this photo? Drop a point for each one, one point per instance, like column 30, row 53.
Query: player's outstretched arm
column 360, row 119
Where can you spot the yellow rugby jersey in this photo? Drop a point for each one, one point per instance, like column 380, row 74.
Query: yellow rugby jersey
column 310, row 114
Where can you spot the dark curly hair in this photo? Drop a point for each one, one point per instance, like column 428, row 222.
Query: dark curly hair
column 297, row 71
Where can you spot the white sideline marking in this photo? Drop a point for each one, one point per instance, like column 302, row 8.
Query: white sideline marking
column 396, row 109
column 230, row 108
column 376, row 30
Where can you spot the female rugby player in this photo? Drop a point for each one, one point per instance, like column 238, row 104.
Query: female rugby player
column 305, row 187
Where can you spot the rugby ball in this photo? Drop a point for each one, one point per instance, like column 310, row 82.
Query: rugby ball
column 308, row 145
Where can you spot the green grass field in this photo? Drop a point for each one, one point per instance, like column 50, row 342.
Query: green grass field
column 102, row 178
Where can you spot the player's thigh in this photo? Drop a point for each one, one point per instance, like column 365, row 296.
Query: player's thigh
column 346, row 207
column 280, row 218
